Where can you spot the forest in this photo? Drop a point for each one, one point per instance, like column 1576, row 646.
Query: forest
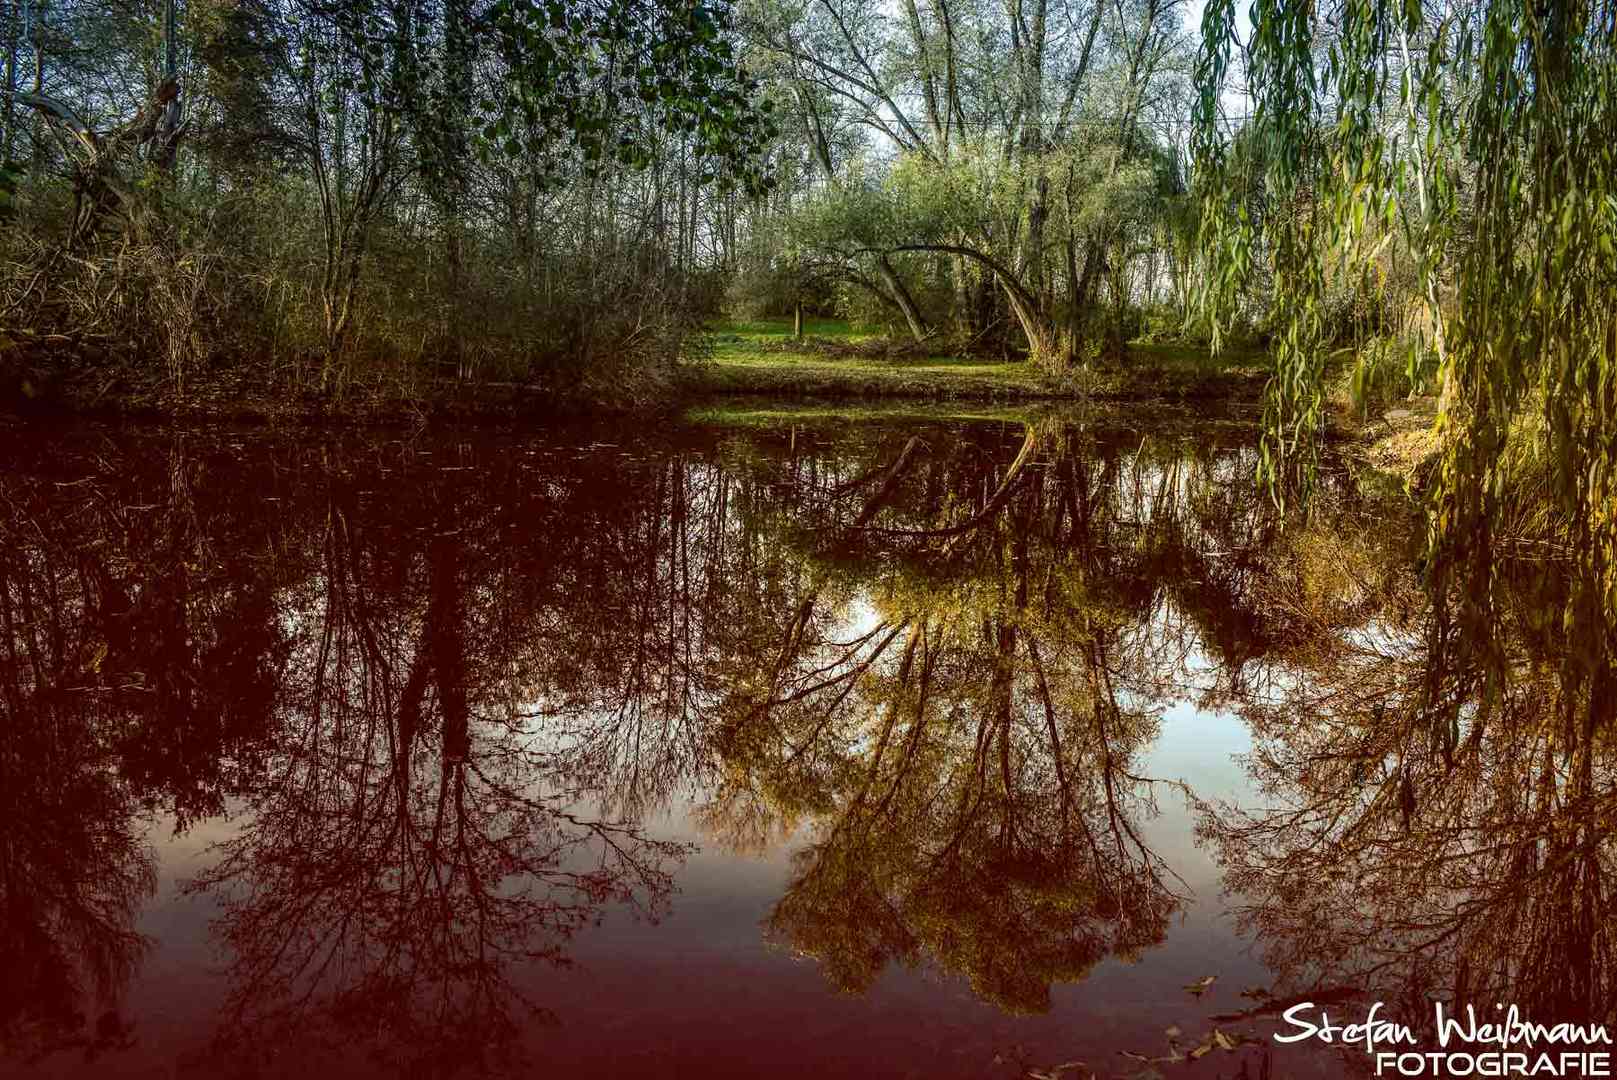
column 350, row 197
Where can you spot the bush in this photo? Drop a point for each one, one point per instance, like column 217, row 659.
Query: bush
column 228, row 292
column 1387, row 369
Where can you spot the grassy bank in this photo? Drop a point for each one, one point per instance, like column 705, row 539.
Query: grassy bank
column 760, row 358
column 729, row 361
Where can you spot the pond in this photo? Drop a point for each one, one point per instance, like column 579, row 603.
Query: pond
column 767, row 743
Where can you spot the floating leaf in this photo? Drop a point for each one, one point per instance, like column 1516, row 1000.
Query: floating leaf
column 1054, row 1072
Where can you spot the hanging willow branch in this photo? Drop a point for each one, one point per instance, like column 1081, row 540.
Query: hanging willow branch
column 1482, row 141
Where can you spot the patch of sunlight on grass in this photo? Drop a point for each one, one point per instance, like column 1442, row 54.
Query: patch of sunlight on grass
column 758, row 355
column 759, row 358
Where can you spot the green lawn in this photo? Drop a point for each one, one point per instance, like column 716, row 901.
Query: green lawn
column 779, row 329
column 1191, row 358
column 759, row 357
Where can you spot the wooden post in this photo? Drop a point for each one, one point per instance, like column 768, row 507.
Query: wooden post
column 797, row 321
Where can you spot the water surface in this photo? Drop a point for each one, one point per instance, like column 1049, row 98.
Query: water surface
column 782, row 746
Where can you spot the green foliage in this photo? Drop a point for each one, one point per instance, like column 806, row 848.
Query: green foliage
column 1019, row 222
column 463, row 186
column 1386, row 368
column 771, row 278
column 605, row 77
column 1483, row 143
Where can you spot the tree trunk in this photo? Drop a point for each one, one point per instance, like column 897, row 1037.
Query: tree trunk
column 453, row 114
column 38, row 164
column 964, row 308
column 13, row 31
column 1045, row 344
column 1083, row 293
column 1038, row 213
column 1075, row 309
column 906, row 302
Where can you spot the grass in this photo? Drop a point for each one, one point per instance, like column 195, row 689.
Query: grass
column 807, row 374
column 777, row 415
column 1194, row 358
column 780, row 329
column 739, row 412
column 759, row 358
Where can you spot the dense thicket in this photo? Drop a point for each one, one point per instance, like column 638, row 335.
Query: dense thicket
column 369, row 193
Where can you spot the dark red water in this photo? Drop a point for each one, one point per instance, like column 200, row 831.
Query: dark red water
column 794, row 748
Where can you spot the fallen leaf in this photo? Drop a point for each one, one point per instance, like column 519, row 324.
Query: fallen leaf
column 1199, row 987
column 1201, row 1051
column 1223, row 1041
column 1054, row 1072
column 1173, row 1032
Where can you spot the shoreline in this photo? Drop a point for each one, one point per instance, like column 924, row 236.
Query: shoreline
column 110, row 391
column 769, row 377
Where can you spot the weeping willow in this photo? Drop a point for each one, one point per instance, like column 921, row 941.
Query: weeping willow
column 1481, row 140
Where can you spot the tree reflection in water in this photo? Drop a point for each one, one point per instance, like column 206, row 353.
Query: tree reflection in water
column 445, row 689
column 74, row 869
column 359, row 678
column 969, row 759
column 1437, row 831
column 410, row 841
